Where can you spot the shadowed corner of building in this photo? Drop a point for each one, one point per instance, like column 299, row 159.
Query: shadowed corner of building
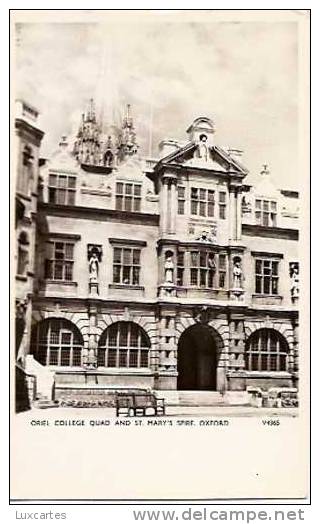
column 22, row 400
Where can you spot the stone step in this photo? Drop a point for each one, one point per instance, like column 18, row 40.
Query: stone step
column 191, row 398
column 200, row 398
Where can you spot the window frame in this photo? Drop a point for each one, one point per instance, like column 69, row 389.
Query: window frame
column 181, row 268
column 267, row 278
column 116, row 353
column 222, row 270
column 264, row 214
column 52, row 263
column 134, row 267
column 260, row 360
column 52, row 349
column 128, row 197
column 205, row 275
column 181, row 195
column 200, row 203
column 57, row 190
column 222, row 205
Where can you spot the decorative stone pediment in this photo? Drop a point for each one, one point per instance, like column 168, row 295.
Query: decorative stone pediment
column 199, row 155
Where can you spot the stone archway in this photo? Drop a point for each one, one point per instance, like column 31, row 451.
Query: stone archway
column 198, row 357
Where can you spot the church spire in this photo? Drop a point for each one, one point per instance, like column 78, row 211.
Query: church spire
column 105, row 138
column 106, row 147
column 128, row 146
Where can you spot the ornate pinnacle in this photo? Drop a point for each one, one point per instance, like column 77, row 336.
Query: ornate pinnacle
column 265, row 170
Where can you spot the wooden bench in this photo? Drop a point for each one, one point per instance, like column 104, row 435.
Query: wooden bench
column 138, row 403
column 125, row 404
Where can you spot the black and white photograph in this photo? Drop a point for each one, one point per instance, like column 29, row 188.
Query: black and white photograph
column 159, row 247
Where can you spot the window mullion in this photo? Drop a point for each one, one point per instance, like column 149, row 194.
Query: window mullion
column 48, row 344
column 71, row 350
column 106, row 358
column 139, row 349
column 128, row 344
column 122, row 265
column 118, row 346
column 259, row 354
column 59, row 346
column 131, row 268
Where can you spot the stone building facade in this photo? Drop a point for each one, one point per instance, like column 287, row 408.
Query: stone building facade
column 172, row 274
column 27, row 140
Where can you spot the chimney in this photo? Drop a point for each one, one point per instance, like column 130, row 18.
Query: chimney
column 63, row 142
column 167, row 146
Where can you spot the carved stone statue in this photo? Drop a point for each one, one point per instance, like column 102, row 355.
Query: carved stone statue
column 237, row 274
column 203, row 151
column 168, row 269
column 294, row 281
column 246, row 207
column 93, row 268
column 211, row 263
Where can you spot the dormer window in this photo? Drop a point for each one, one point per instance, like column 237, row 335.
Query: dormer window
column 128, row 196
column 266, row 212
column 62, row 189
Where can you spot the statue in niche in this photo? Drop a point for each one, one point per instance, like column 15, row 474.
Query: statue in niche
column 237, row 273
column 245, row 206
column 294, row 274
column 211, row 263
column 203, row 150
column 168, row 268
column 93, row 267
column 108, row 158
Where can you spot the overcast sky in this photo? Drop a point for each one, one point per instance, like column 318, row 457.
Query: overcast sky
column 242, row 75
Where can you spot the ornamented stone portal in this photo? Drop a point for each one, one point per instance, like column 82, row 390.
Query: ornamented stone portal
column 197, row 359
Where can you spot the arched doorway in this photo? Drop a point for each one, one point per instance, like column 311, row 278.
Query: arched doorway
column 197, row 359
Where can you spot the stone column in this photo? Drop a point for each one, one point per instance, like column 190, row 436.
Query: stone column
column 173, row 205
column 167, row 378
column 232, row 213
column 93, row 343
column 162, row 352
column 154, row 357
column 238, row 215
column 164, row 205
column 236, row 362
